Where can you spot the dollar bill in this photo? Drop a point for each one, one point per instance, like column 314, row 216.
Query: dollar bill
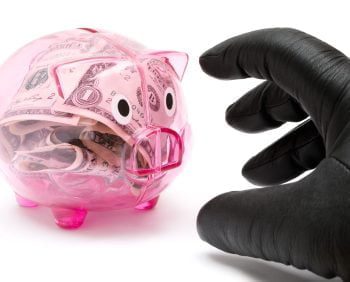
column 74, row 45
column 34, row 100
column 88, row 89
column 39, row 90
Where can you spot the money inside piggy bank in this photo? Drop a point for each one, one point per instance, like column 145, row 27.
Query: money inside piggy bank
column 91, row 120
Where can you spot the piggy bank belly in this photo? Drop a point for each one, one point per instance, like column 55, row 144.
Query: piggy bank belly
column 71, row 196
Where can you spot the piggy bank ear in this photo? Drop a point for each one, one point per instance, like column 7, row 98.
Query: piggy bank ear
column 177, row 60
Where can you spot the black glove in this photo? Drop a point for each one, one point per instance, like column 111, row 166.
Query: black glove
column 306, row 223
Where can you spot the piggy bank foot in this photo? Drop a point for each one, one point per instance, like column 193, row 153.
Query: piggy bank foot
column 69, row 218
column 23, row 202
column 148, row 205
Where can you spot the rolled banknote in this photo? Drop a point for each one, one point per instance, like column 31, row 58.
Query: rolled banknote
column 9, row 143
column 109, row 146
column 62, row 158
column 87, row 121
column 103, row 140
column 36, row 146
column 13, row 142
column 65, row 134
column 24, row 127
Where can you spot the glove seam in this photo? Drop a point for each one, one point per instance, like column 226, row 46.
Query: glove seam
column 345, row 166
column 331, row 118
column 262, row 111
column 285, row 153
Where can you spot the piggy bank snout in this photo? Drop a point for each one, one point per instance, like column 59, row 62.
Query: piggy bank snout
column 155, row 150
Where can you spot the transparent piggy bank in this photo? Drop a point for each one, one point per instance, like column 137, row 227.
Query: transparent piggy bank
column 90, row 120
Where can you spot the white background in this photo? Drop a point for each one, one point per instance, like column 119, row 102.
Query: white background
column 161, row 245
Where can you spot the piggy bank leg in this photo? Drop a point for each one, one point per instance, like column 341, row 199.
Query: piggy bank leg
column 148, row 205
column 69, row 218
column 23, row 202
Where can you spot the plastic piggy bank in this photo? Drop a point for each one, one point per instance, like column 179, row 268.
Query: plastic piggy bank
column 90, row 120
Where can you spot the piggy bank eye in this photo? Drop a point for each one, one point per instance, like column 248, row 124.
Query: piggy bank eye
column 121, row 109
column 169, row 101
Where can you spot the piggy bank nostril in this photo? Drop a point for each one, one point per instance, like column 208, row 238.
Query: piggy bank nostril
column 163, row 146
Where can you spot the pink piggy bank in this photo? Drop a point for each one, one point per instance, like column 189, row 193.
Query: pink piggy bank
column 91, row 120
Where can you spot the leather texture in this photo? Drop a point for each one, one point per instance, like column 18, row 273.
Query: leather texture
column 305, row 223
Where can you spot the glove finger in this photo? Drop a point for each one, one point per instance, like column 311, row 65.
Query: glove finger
column 264, row 107
column 299, row 150
column 313, row 72
column 305, row 224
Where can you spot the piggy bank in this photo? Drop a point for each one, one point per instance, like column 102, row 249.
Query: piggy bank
column 91, row 120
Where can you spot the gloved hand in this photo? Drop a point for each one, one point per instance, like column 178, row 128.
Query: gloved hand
column 306, row 223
